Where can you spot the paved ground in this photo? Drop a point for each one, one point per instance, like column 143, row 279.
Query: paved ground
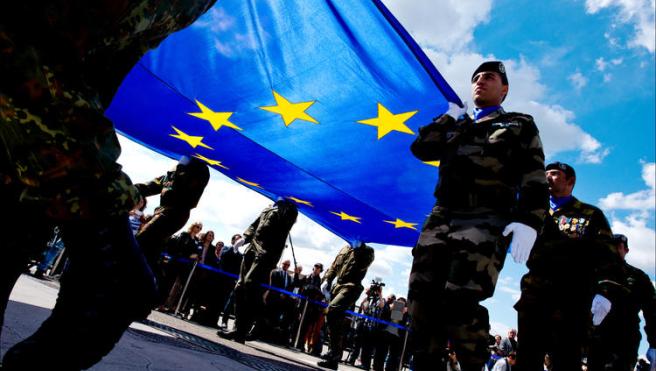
column 162, row 342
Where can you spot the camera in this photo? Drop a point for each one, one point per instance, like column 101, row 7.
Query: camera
column 375, row 288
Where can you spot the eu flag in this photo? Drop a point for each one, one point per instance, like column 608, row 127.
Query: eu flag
column 314, row 100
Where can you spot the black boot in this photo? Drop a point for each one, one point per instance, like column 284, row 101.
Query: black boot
column 329, row 364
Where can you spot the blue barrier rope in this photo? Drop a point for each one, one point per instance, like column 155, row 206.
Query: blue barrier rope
column 290, row 293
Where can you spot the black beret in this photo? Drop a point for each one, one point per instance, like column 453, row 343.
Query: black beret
column 568, row 170
column 617, row 238
column 492, row 66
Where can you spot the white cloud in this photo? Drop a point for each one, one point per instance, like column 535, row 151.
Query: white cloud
column 640, row 200
column 558, row 131
column 601, row 64
column 453, row 20
column 637, row 13
column 642, row 240
column 578, row 80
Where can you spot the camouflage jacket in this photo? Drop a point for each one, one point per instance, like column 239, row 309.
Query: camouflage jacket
column 267, row 234
column 180, row 188
column 495, row 163
column 61, row 63
column 350, row 266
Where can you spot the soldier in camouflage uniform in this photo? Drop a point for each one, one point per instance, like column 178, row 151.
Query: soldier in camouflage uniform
column 180, row 190
column 573, row 260
column 266, row 235
column 61, row 62
column 344, row 282
column 615, row 342
column 491, row 182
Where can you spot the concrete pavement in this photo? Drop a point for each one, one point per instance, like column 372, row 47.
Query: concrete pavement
column 162, row 342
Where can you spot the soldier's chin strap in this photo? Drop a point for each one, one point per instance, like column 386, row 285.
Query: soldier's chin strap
column 291, row 244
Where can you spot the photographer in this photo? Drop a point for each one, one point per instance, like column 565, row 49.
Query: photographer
column 367, row 330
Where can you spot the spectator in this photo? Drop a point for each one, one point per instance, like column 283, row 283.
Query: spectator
column 182, row 247
column 505, row 363
column 54, row 248
column 312, row 322
column 390, row 342
column 136, row 216
column 229, row 262
column 275, row 303
column 509, row 344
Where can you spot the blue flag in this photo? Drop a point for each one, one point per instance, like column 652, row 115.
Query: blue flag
column 317, row 101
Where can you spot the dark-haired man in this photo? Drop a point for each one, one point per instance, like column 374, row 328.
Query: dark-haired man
column 491, row 185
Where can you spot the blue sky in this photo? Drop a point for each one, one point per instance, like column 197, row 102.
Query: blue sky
column 583, row 69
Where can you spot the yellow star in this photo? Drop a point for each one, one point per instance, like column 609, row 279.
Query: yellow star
column 299, row 201
column 398, row 223
column 190, row 139
column 290, row 111
column 252, row 184
column 346, row 216
column 388, row 122
column 210, row 161
column 216, row 119
column 432, row 163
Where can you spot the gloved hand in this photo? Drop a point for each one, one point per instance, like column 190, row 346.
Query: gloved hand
column 600, row 308
column 239, row 243
column 325, row 289
column 456, row 111
column 651, row 357
column 522, row 241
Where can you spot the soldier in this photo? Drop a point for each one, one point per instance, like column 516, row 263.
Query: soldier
column 491, row 183
column 347, row 271
column 180, row 190
column 61, row 63
column 572, row 261
column 616, row 340
column 266, row 235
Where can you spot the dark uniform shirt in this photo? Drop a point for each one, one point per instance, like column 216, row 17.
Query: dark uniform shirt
column 633, row 293
column 578, row 220
column 350, row 266
column 267, row 234
column 62, row 62
column 495, row 163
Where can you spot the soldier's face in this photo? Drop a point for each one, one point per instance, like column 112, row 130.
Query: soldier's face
column 559, row 184
column 488, row 89
column 622, row 250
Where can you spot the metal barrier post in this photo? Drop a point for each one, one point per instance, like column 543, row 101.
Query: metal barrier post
column 57, row 262
column 405, row 343
column 184, row 290
column 300, row 324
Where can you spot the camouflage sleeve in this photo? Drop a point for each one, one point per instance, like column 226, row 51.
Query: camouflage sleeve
column 330, row 274
column 533, row 193
column 648, row 306
column 432, row 138
column 249, row 233
column 151, row 188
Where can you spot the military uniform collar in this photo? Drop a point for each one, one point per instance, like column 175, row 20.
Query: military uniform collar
column 492, row 115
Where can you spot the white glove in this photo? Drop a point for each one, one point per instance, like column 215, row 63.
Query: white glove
column 523, row 238
column 600, row 308
column 325, row 290
column 651, row 357
column 239, row 243
column 456, row 111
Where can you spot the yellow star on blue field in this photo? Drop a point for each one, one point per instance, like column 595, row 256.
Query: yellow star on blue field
column 432, row 163
column 252, row 184
column 398, row 223
column 346, row 216
column 190, row 139
column 290, row 111
column 210, row 161
column 299, row 201
column 386, row 122
column 216, row 119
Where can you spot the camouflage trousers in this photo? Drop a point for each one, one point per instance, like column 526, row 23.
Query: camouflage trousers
column 456, row 265
column 249, row 304
column 343, row 299
column 106, row 286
